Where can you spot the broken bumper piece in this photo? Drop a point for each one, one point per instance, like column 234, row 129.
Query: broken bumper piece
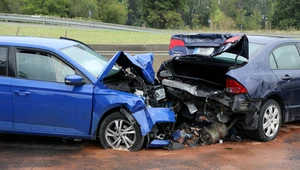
column 148, row 117
column 197, row 91
column 158, row 143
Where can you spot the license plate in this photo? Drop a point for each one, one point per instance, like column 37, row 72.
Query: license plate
column 204, row 51
column 160, row 93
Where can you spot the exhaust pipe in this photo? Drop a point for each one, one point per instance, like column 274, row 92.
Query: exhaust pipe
column 214, row 132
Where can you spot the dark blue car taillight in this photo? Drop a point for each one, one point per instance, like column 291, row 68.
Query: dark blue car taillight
column 233, row 86
column 176, row 43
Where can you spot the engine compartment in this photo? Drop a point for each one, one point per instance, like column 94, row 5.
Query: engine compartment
column 133, row 83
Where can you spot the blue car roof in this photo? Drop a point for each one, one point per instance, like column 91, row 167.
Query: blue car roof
column 36, row 41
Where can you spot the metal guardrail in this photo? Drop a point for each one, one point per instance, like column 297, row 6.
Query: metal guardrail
column 156, row 53
column 109, row 50
column 45, row 20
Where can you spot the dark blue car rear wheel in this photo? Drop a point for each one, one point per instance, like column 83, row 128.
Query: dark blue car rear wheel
column 116, row 131
column 269, row 121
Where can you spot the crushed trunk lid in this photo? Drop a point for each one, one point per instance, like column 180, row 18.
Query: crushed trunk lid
column 209, row 45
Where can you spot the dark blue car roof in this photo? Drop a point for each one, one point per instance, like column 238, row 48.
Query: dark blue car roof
column 267, row 39
column 36, row 41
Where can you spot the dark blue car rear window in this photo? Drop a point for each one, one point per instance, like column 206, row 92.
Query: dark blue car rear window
column 254, row 47
column 230, row 58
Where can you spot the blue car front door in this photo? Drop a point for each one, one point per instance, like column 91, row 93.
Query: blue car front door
column 43, row 103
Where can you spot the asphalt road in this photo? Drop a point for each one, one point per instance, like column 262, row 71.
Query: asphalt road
column 28, row 152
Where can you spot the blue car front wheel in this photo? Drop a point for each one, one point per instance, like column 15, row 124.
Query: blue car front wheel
column 117, row 132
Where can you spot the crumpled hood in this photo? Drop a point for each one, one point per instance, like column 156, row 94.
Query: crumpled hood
column 141, row 62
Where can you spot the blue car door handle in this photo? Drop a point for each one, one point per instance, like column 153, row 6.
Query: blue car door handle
column 22, row 92
column 286, row 77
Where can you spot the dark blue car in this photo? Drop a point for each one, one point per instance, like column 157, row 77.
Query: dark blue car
column 63, row 88
column 250, row 83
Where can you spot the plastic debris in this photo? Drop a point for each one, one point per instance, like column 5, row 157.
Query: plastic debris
column 174, row 146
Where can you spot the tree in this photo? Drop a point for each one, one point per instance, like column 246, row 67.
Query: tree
column 195, row 13
column 286, row 14
column 134, row 13
column 230, row 8
column 159, row 13
column 80, row 8
column 46, row 7
column 252, row 22
column 173, row 18
column 247, row 14
column 10, row 6
column 113, row 11
column 217, row 16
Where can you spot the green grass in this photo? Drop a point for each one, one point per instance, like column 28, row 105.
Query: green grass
column 89, row 36
column 93, row 36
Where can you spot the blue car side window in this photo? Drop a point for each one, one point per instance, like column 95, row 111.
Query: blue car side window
column 41, row 66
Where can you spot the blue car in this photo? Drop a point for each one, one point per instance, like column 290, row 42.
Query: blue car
column 250, row 83
column 63, row 88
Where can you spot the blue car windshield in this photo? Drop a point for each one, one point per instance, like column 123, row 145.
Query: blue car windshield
column 89, row 59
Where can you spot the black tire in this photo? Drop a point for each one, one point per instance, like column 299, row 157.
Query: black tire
column 112, row 137
column 269, row 121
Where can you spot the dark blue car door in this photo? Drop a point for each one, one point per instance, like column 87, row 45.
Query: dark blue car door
column 285, row 63
column 43, row 103
column 6, row 111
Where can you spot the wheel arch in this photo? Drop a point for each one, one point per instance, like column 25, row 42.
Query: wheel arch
column 145, row 118
column 281, row 103
column 108, row 112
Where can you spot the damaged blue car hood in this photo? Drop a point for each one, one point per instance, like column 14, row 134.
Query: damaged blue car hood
column 141, row 62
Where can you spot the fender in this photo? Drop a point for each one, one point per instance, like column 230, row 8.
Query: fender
column 106, row 99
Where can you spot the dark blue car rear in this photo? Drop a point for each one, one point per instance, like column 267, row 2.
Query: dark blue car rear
column 251, row 83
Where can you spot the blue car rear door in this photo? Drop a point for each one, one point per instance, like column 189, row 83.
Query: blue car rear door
column 6, row 111
column 43, row 103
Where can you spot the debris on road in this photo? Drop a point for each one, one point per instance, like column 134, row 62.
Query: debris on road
column 200, row 134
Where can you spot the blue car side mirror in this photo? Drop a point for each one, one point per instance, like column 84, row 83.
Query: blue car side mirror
column 74, row 80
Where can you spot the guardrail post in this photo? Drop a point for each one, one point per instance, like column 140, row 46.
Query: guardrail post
column 18, row 31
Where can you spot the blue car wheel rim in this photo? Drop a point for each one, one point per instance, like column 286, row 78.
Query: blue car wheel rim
column 120, row 133
column 271, row 121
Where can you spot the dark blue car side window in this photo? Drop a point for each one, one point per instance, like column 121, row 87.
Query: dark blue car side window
column 286, row 57
column 42, row 66
column 3, row 60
